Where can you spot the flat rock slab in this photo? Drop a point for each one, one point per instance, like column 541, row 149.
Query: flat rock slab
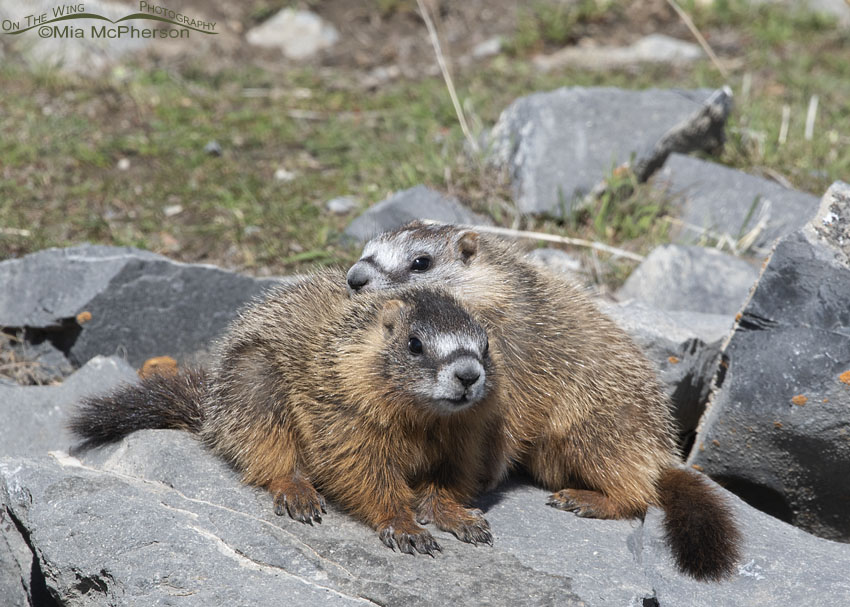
column 727, row 202
column 683, row 346
column 156, row 517
column 676, row 277
column 419, row 202
column 558, row 146
column 105, row 300
column 36, row 415
column 777, row 430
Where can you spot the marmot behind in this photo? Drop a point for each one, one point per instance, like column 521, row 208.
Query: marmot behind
column 582, row 407
column 385, row 403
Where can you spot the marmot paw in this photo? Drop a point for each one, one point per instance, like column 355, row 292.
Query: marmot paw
column 410, row 538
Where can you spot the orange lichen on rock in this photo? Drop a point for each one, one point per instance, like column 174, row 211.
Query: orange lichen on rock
column 738, row 317
column 777, row 425
column 799, row 400
column 845, row 377
column 715, row 442
column 673, row 360
column 696, row 467
column 83, row 317
column 162, row 365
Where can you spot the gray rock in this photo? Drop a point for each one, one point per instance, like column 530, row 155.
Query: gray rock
column 776, row 431
column 781, row 565
column 419, row 202
column 16, row 560
column 89, row 55
column 141, row 304
column 685, row 348
column 487, row 48
column 38, row 414
column 727, row 202
column 675, row 277
column 655, row 48
column 558, row 146
column 557, row 261
column 342, row 205
column 299, row 34
column 156, row 516
column 213, row 148
column 66, row 279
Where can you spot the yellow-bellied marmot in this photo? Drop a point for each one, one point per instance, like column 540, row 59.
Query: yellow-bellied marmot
column 583, row 411
column 383, row 403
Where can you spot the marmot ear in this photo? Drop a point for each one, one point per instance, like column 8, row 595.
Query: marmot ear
column 390, row 314
column 467, row 245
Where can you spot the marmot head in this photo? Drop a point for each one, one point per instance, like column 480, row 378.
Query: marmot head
column 434, row 350
column 416, row 252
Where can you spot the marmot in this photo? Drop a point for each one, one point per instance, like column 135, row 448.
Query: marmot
column 583, row 410
column 383, row 403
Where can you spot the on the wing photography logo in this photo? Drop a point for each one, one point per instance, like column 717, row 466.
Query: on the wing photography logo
column 68, row 21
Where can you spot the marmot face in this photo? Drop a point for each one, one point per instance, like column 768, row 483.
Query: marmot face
column 414, row 252
column 435, row 351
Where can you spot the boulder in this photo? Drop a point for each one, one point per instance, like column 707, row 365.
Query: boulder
column 419, row 202
column 156, row 517
column 96, row 300
column 718, row 202
column 560, row 145
column 777, row 431
column 37, row 415
column 685, row 349
column 676, row 277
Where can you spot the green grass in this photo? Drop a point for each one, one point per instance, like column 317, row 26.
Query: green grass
column 63, row 139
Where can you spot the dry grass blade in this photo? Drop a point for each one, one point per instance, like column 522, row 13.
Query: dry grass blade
column 702, row 41
column 441, row 60
column 577, row 242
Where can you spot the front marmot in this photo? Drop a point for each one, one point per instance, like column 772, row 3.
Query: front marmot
column 582, row 408
column 384, row 403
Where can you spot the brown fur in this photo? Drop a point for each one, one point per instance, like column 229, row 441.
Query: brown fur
column 582, row 408
column 311, row 391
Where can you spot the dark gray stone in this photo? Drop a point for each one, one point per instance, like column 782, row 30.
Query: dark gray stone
column 777, row 430
column 685, row 349
column 727, row 202
column 37, row 414
column 558, row 146
column 182, row 523
column 419, row 202
column 15, row 563
column 675, row 277
column 781, row 565
column 156, row 517
column 52, row 286
column 141, row 304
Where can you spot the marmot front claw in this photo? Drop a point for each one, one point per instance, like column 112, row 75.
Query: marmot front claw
column 300, row 500
column 474, row 529
column 410, row 538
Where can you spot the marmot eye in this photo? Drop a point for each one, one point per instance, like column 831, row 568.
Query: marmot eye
column 414, row 345
column 421, row 263
column 486, row 347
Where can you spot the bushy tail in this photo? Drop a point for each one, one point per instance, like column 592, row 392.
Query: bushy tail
column 157, row 401
column 698, row 525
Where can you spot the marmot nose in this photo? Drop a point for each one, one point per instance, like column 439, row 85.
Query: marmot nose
column 468, row 375
column 357, row 278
